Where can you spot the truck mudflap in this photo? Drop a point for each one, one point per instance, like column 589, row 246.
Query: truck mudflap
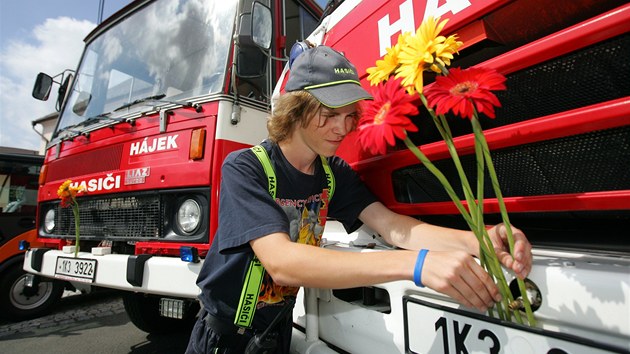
column 584, row 309
column 125, row 272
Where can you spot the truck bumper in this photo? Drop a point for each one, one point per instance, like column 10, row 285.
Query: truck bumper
column 167, row 276
column 585, row 307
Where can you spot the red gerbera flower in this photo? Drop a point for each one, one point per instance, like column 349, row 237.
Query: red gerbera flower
column 386, row 117
column 461, row 90
column 68, row 193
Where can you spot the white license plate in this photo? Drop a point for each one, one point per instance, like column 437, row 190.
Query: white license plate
column 431, row 328
column 77, row 269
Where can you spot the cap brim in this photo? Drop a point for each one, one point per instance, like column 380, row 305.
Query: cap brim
column 340, row 95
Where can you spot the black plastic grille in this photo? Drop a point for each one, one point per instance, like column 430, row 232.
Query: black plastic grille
column 590, row 162
column 141, row 216
column 595, row 161
column 128, row 218
column 595, row 74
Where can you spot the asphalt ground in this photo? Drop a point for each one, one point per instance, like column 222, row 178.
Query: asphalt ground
column 86, row 323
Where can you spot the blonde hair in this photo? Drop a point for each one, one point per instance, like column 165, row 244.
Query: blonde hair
column 290, row 109
column 293, row 108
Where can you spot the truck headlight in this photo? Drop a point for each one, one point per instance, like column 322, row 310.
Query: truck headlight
column 188, row 216
column 49, row 221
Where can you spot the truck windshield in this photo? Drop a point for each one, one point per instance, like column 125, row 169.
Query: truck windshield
column 176, row 48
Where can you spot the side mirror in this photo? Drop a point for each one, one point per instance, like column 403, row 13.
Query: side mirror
column 255, row 28
column 42, row 87
column 63, row 91
column 261, row 25
column 250, row 63
column 254, row 34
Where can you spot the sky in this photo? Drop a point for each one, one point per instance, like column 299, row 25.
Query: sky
column 39, row 36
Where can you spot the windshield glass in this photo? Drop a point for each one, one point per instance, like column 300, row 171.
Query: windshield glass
column 176, row 48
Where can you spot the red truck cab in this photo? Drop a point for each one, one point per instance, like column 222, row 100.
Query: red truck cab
column 162, row 93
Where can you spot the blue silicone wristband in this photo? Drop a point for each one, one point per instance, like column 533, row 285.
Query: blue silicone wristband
column 417, row 271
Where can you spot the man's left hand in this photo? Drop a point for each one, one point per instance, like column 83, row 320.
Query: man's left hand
column 521, row 264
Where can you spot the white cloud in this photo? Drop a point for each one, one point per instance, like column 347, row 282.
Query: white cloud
column 58, row 44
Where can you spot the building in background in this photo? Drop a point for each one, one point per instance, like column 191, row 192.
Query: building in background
column 47, row 123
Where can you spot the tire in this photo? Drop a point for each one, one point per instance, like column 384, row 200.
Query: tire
column 144, row 312
column 19, row 303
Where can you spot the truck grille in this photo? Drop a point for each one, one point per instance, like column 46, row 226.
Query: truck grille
column 590, row 162
column 141, row 216
column 592, row 75
column 128, row 217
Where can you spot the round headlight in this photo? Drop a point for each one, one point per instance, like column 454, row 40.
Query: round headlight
column 49, row 221
column 188, row 216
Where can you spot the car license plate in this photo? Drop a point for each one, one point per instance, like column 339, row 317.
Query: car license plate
column 76, row 269
column 431, row 328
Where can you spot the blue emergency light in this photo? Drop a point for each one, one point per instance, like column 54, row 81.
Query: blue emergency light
column 189, row 254
column 24, row 245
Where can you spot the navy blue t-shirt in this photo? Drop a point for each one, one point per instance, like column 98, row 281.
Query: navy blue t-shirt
column 247, row 211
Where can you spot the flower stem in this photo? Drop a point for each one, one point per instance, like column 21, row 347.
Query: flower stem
column 75, row 211
column 440, row 176
column 442, row 126
column 488, row 259
column 450, row 191
column 506, row 221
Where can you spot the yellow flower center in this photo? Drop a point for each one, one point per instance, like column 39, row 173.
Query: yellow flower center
column 379, row 118
column 463, row 88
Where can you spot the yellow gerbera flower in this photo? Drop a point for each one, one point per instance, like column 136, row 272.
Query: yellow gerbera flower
column 427, row 50
column 386, row 66
column 444, row 51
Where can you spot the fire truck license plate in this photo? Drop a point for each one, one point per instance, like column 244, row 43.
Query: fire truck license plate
column 430, row 328
column 76, row 269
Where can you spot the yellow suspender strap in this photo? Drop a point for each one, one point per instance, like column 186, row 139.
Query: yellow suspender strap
column 262, row 156
column 249, row 294
column 330, row 178
column 256, row 271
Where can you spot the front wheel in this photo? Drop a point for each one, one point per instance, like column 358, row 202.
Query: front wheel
column 144, row 312
column 19, row 302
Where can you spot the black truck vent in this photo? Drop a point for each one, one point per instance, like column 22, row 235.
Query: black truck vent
column 590, row 162
column 595, row 74
column 128, row 218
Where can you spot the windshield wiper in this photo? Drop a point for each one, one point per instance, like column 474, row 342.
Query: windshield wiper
column 97, row 118
column 73, row 132
column 87, row 121
column 189, row 104
column 140, row 100
column 159, row 98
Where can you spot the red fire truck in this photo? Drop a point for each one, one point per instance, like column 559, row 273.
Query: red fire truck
column 165, row 90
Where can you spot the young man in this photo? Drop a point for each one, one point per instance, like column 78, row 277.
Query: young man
column 308, row 121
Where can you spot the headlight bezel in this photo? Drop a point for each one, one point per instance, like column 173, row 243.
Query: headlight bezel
column 50, row 218
column 191, row 208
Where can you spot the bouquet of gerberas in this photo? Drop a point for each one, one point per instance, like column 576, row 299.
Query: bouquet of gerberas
column 398, row 78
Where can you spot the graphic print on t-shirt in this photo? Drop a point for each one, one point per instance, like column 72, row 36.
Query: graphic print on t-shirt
column 307, row 218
